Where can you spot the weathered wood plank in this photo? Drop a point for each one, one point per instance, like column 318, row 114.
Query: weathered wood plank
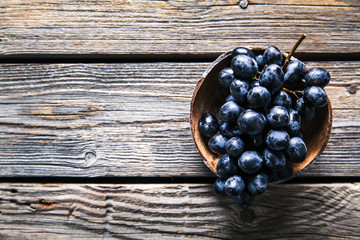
column 175, row 26
column 173, row 211
column 132, row 120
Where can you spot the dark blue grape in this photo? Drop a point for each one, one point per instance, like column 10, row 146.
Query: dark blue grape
column 258, row 97
column 234, row 185
column 255, row 140
column 272, row 55
column 254, row 83
column 230, row 111
column 295, row 71
column 294, row 125
column 258, row 183
column 244, row 199
column 250, row 162
column 281, row 98
column 230, row 98
column 317, row 77
column 226, row 167
column 273, row 159
column 226, row 76
column 277, row 139
column 284, row 173
column 230, row 129
column 278, row 117
column 242, row 51
column 235, row 147
column 296, row 150
column 260, row 61
column 251, row 122
column 272, row 78
column 208, row 125
column 219, row 187
column 217, row 143
column 315, row 96
column 239, row 90
column 306, row 112
column 300, row 134
column 245, row 67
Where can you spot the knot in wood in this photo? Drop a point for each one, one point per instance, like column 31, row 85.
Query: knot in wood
column 352, row 89
column 90, row 159
column 247, row 215
column 243, row 3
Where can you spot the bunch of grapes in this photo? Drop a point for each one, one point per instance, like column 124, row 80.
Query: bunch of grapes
column 258, row 133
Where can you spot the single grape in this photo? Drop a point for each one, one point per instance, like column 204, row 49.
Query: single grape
column 277, row 139
column 208, row 125
column 258, row 184
column 230, row 111
column 234, row 185
column 230, row 98
column 273, row 159
column 219, row 187
column 255, row 140
column 300, row 134
column 251, row 122
column 239, row 90
column 244, row 67
column 294, row 125
column 284, row 173
column 260, row 61
column 278, row 117
column 258, row 97
column 226, row 76
column 242, row 51
column 296, row 150
column 272, row 78
column 235, row 147
column 315, row 96
column 282, row 98
column 230, row 129
column 306, row 112
column 254, row 83
column 226, row 167
column 250, row 162
column 272, row 55
column 317, row 77
column 295, row 71
column 217, row 143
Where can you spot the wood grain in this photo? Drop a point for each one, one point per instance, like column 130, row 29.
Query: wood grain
column 175, row 26
column 177, row 211
column 90, row 120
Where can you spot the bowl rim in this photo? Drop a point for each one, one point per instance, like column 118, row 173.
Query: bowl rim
column 201, row 81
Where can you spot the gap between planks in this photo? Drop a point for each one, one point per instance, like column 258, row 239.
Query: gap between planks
column 164, row 180
column 143, row 58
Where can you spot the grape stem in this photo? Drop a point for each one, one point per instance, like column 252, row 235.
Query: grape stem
column 287, row 59
column 293, row 92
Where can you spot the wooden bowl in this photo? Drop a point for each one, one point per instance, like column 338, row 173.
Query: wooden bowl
column 208, row 96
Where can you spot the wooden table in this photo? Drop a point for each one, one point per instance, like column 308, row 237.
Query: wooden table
column 94, row 119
